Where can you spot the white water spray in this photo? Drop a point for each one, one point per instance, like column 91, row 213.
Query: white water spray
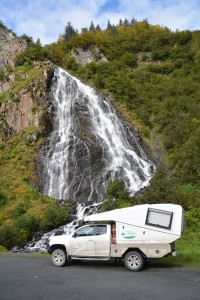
column 89, row 145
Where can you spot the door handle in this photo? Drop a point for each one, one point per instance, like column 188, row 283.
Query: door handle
column 90, row 240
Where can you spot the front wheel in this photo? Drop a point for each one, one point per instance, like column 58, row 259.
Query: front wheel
column 59, row 257
column 134, row 261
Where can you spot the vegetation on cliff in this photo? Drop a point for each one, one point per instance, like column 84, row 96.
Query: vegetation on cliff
column 25, row 212
column 153, row 77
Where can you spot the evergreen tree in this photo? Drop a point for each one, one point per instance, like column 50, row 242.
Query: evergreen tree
column 98, row 27
column 109, row 26
column 113, row 30
column 38, row 43
column 28, row 39
column 120, row 22
column 145, row 23
column 126, row 23
column 92, row 28
column 84, row 29
column 134, row 21
column 69, row 31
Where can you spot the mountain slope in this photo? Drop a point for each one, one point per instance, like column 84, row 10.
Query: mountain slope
column 152, row 76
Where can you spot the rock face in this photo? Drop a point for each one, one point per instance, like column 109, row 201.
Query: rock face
column 84, row 57
column 21, row 108
column 17, row 114
column 10, row 47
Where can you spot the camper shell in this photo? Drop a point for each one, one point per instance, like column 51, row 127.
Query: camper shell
column 134, row 234
column 150, row 228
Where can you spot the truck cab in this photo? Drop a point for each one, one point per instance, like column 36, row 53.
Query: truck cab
column 92, row 240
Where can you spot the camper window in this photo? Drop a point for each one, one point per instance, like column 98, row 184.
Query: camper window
column 159, row 218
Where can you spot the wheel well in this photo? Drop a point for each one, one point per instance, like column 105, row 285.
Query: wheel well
column 134, row 249
column 57, row 246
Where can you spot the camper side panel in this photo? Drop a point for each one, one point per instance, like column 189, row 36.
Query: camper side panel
column 126, row 234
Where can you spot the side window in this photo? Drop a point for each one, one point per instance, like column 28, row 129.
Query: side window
column 85, row 231
column 100, row 229
column 159, row 218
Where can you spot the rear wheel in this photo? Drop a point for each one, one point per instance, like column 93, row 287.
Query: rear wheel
column 134, row 261
column 59, row 257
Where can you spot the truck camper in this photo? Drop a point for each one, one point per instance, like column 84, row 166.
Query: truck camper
column 135, row 234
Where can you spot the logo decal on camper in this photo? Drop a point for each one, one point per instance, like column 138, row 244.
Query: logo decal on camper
column 128, row 234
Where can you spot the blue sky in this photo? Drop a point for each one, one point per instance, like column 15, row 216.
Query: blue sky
column 46, row 19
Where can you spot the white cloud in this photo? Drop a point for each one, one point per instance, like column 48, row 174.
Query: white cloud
column 47, row 19
column 175, row 14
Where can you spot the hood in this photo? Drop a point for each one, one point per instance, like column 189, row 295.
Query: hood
column 59, row 239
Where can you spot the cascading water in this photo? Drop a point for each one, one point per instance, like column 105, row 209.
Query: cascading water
column 89, row 145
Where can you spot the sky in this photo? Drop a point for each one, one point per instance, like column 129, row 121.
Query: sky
column 46, row 19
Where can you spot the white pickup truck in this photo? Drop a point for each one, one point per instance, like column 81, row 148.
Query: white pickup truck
column 134, row 234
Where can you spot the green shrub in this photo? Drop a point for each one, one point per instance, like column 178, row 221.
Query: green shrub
column 193, row 219
column 129, row 59
column 8, row 236
column 28, row 225
column 3, row 249
column 30, row 55
column 53, row 217
column 70, row 63
column 2, row 199
column 2, row 75
column 164, row 68
column 161, row 54
column 116, row 195
column 20, row 210
column 160, row 190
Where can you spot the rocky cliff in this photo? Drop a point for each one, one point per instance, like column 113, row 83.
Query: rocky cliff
column 85, row 56
column 10, row 47
column 21, row 103
column 15, row 107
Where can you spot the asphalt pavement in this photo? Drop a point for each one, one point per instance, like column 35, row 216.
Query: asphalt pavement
column 33, row 277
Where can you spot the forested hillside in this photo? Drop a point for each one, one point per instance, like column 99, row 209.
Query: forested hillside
column 153, row 77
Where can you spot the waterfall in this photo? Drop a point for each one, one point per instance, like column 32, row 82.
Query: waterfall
column 89, row 145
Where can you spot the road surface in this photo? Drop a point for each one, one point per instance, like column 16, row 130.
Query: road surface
column 33, row 277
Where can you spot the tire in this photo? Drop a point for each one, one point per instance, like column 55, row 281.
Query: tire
column 59, row 257
column 134, row 261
